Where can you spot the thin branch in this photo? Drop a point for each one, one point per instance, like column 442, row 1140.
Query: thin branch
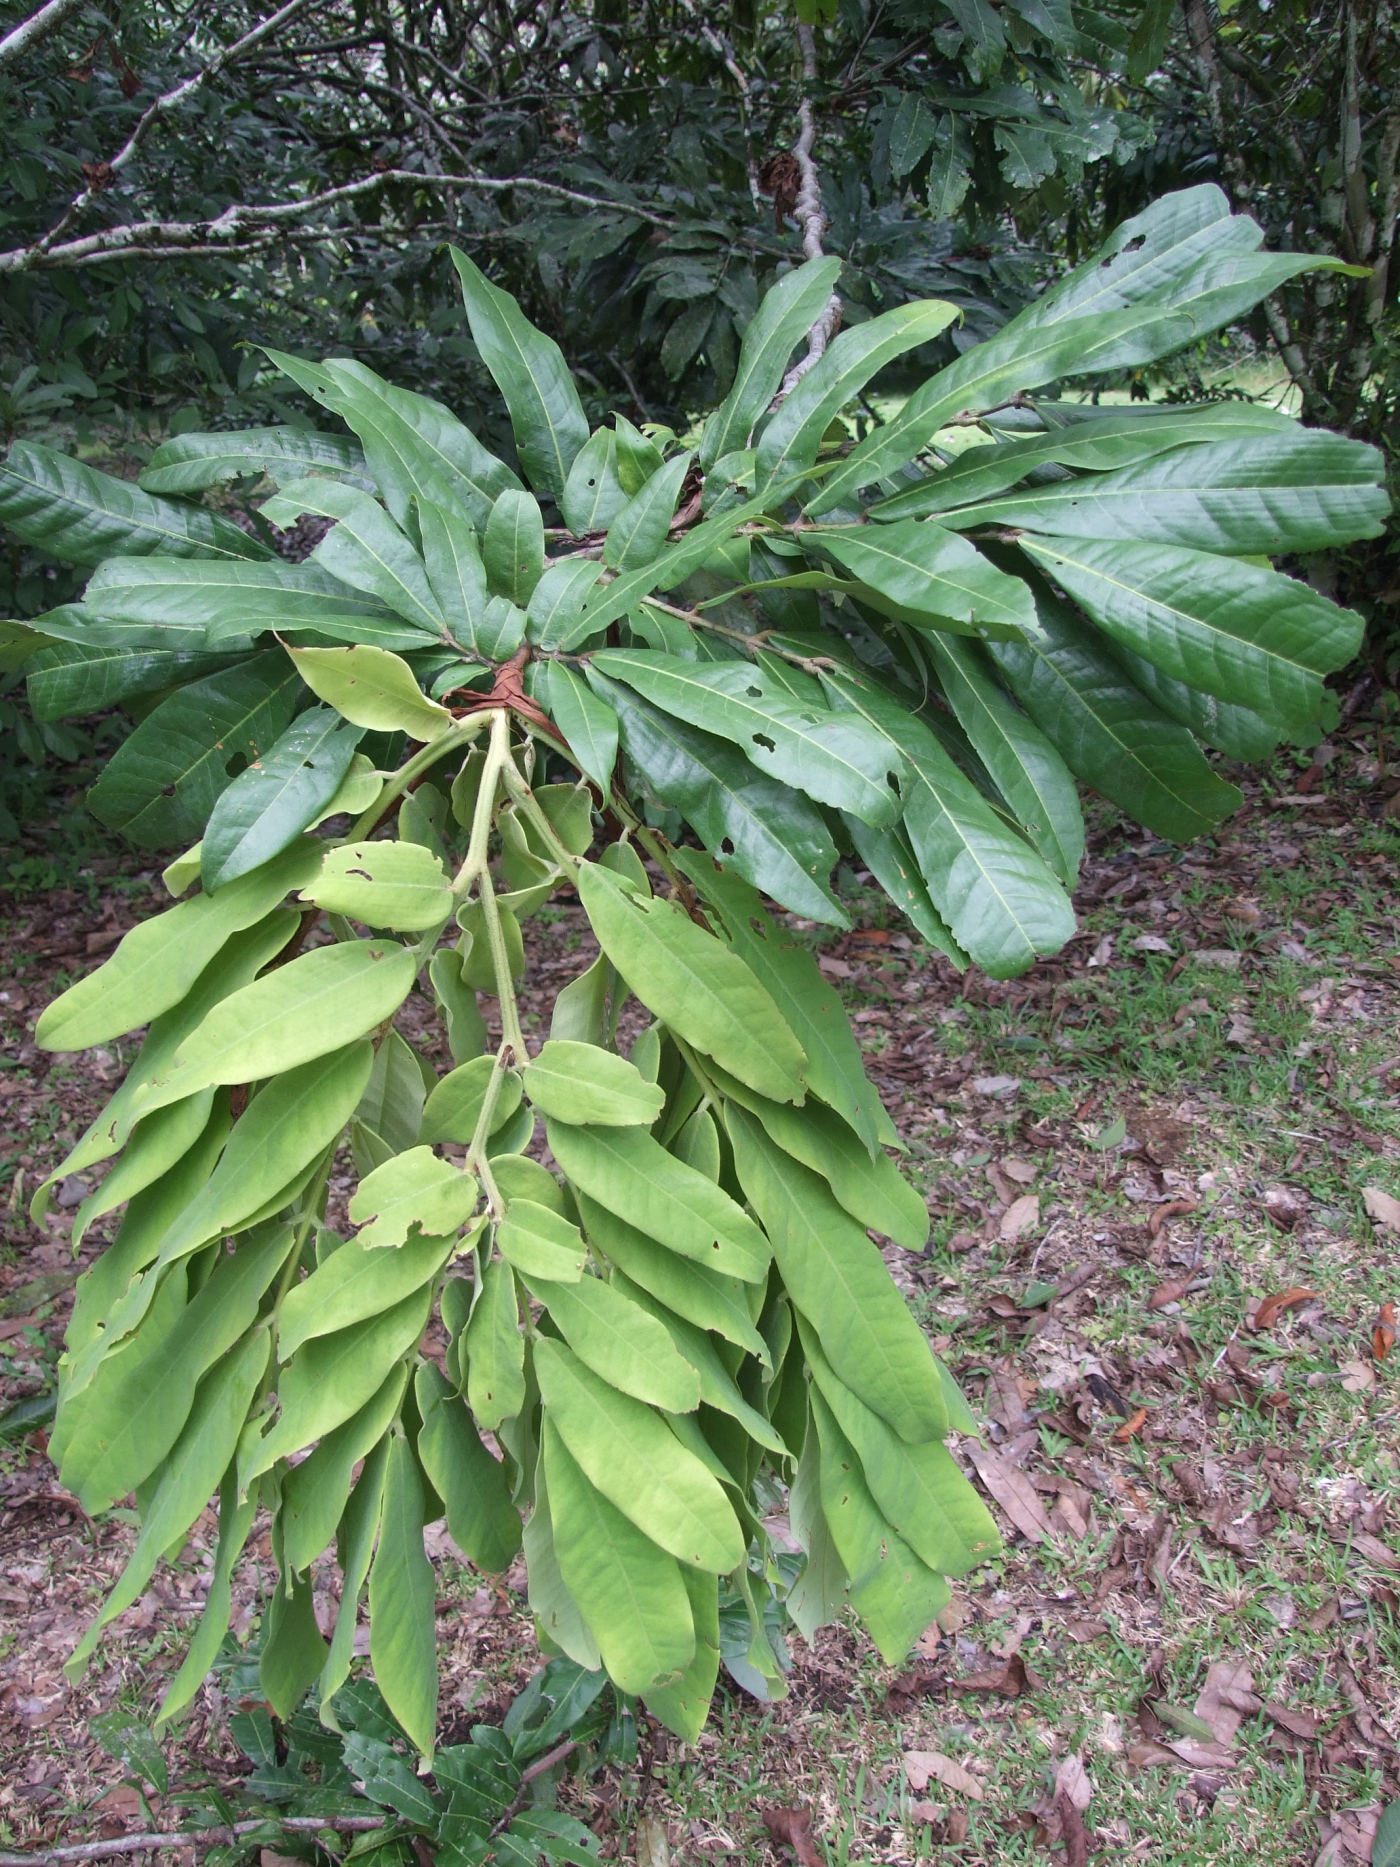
column 537, row 1768
column 809, row 217
column 38, row 26
column 191, row 1838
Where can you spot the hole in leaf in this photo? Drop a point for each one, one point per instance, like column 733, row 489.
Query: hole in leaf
column 754, row 693
column 236, row 764
column 892, row 779
column 726, row 845
column 758, row 927
column 761, row 739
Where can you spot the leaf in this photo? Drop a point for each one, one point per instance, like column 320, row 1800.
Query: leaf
column 513, row 548
column 638, row 531
column 1148, row 45
column 65, row 680
column 225, row 603
column 576, row 1082
column 190, row 463
column 278, row 796
column 414, row 447
column 1107, row 731
column 772, row 835
column 717, row 1386
column 54, row 503
column 629, row 1455
column 632, row 1175
column 364, row 548
column 695, row 984
column 399, row 885
column 911, row 134
column 587, row 722
column 360, row 1530
column 455, row 570
column 235, row 1522
column 620, row 1341
column 890, row 859
column 684, row 1705
column 161, row 784
column 921, row 1767
column 703, row 1297
column 593, row 493
column 1272, row 1307
column 371, row 688
column 792, row 438
column 541, row 1244
column 1382, row 1208
column 949, row 173
column 155, row 1146
column 481, row 1519
column 1238, row 732
column 556, row 606
column 357, row 1281
column 403, row 1633
column 999, row 899
column 1027, row 770
column 554, row 1608
column 685, row 336
column 1385, row 1849
column 629, row 1591
column 529, row 370
column 411, row 1195
column 928, row 571
column 314, row 1493
column 1013, row 1491
column 293, row 1652
column 1249, row 636
column 189, row 1476
column 834, row 759
column 495, row 1350
column 784, row 316
column 838, row 1280
column 158, row 961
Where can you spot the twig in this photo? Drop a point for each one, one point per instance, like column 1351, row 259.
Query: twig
column 537, row 1768
column 191, row 1838
column 38, row 26
column 809, row 217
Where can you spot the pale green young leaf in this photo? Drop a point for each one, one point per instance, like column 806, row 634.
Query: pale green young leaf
column 279, row 795
column 371, row 688
column 314, row 1493
column 402, row 1591
column 398, row 885
column 413, row 1194
column 576, row 1083
column 355, row 1282
column 495, row 1350
column 620, row 1341
column 481, row 1519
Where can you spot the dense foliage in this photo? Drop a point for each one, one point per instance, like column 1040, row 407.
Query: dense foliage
column 774, row 643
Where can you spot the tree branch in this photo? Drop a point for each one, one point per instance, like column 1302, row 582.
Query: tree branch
column 190, row 1838
column 809, row 217
column 38, row 26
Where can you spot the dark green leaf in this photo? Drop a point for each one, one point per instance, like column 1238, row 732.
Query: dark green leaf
column 188, row 463
column 277, row 797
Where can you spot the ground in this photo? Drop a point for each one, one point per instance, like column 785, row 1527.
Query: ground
column 1130, row 1155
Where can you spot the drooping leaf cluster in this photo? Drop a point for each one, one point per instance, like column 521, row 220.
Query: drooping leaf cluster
column 763, row 642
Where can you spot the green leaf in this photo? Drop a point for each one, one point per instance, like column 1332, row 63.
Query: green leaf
column 556, row 605
column 293, row 1652
column 314, row 1493
column 627, row 1171
column 629, row 1592
column 157, row 963
column 784, row 316
column 576, row 1082
column 685, row 336
column 1003, row 905
column 291, row 1016
column 930, row 572
column 1027, row 770
column 684, row 1705
column 1238, row 732
column 530, row 372
column 392, row 1104
column 411, row 1195
column 1107, row 731
column 891, row 860
column 277, row 797
column 1303, row 490
column 402, row 1591
column 455, row 570
column 717, row 1386
column 949, row 172
column 155, row 1146
column 513, row 550
column 372, row 688
column 1148, row 45
column 330, row 1378
column 620, row 1341
column 792, row 437
column 67, row 681
column 831, row 757
column 554, row 1608
column 188, row 1478
column 364, row 548
column 481, row 1519
column 359, row 1531
column 398, row 885
column 587, row 722
column 695, row 984
column 454, row 1106
column 190, row 463
column 161, row 784
column 415, row 448
column 235, row 1522
column 1249, row 636
column 593, row 494
column 539, row 1243
column 911, row 134
column 838, row 1279
column 456, row 1001
column 895, row 1594
column 632, row 1457
column 54, row 503
column 638, row 531
column 694, row 1291
column 114, row 1447
column 495, row 1350
column 227, row 602
column 768, row 833
column 1385, row 1849
column 638, row 457
column 357, row 1281
column 808, row 1001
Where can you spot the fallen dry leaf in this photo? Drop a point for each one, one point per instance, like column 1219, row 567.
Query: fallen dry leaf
column 1023, row 1172
column 1072, row 1782
column 1017, row 1496
column 1283, row 1206
column 1372, row 1548
column 1019, row 1217
column 924, row 1766
column 1299, row 1723
column 1165, row 1294
column 1383, row 1335
column 1011, row 1680
column 1384, row 1208
column 1131, row 1427
column 1173, row 1209
column 904, row 1692
column 1358, row 1377
column 1226, row 1698
column 793, row 1827
column 1271, row 1308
